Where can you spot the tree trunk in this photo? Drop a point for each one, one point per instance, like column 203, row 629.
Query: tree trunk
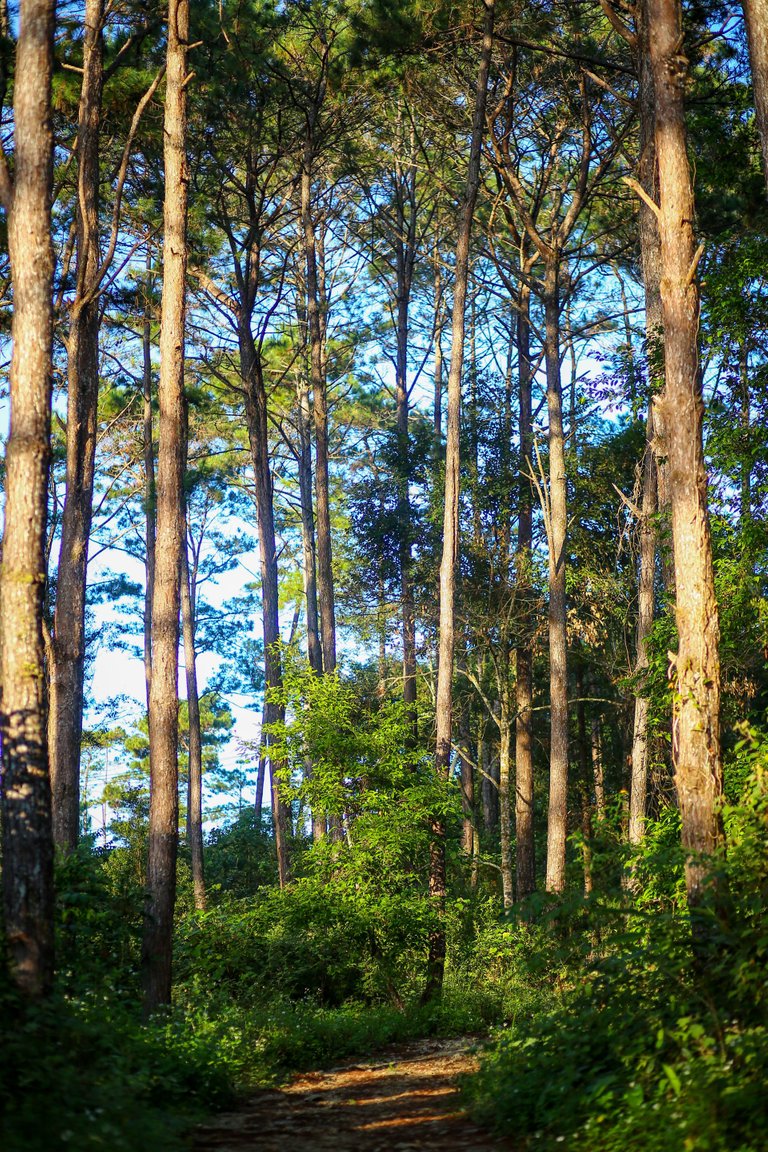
column 650, row 246
column 586, row 836
column 756, row 20
column 696, row 746
column 489, row 787
column 745, row 505
column 505, row 780
column 645, row 610
column 650, row 250
column 258, row 427
column 504, row 665
column 584, row 779
column 26, row 794
column 163, row 699
column 557, row 818
column 316, row 325
column 149, row 477
column 598, row 774
column 439, row 321
column 195, row 782
column 405, row 254
column 449, row 562
column 82, row 409
column 381, row 631
column 314, row 651
column 467, row 789
column 525, row 849
column 261, row 775
column 309, row 556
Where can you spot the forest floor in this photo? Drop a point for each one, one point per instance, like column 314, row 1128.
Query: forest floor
column 406, row 1097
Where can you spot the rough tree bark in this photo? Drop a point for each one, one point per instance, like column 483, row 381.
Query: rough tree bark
column 315, row 324
column 82, row 406
column 549, row 245
column 467, row 786
column 557, row 816
column 449, row 562
column 650, row 247
column 246, row 267
column 405, row 259
column 309, row 557
column 489, row 783
column 26, row 793
column 163, row 699
column 258, row 435
column 195, row 781
column 309, row 551
column 638, row 790
column 82, row 342
column 525, row 849
column 505, row 725
column 756, row 20
column 150, row 496
column 584, row 777
column 696, row 749
column 314, row 650
column 439, row 324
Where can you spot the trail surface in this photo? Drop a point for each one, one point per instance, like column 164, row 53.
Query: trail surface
column 405, row 1098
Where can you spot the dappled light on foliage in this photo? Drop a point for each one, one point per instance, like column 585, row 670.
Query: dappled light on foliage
column 384, row 581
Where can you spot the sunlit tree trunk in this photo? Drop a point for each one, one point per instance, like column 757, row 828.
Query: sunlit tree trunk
column 489, row 788
column 756, row 19
column 467, row 788
column 645, row 611
column 149, row 475
column 315, row 325
column 261, row 776
column 598, row 772
column 405, row 257
column 163, row 697
column 449, row 562
column 557, row 818
column 82, row 406
column 745, row 504
column 304, row 460
column 505, row 780
column 650, row 246
column 585, row 774
column 439, row 324
column 195, row 781
column 258, row 435
column 26, row 793
column 309, row 552
column 525, row 851
column 696, row 747
column 314, row 651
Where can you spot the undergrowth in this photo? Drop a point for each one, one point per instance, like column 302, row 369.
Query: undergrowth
column 655, row 1039
column 266, row 985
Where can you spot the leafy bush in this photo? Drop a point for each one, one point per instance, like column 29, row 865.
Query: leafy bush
column 87, row 1075
column 646, row 1042
column 240, row 856
column 99, row 905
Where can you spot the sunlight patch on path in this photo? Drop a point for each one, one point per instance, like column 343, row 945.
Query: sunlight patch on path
column 407, row 1101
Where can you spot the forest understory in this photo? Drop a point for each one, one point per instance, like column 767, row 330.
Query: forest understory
column 384, row 575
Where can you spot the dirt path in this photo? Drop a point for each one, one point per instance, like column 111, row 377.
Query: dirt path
column 405, row 1098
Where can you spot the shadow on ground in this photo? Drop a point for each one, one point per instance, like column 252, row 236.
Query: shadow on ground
column 405, row 1099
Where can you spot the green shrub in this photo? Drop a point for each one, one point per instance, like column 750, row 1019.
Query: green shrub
column 645, row 1043
column 87, row 1075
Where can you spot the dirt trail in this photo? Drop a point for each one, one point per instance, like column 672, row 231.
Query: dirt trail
column 405, row 1098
